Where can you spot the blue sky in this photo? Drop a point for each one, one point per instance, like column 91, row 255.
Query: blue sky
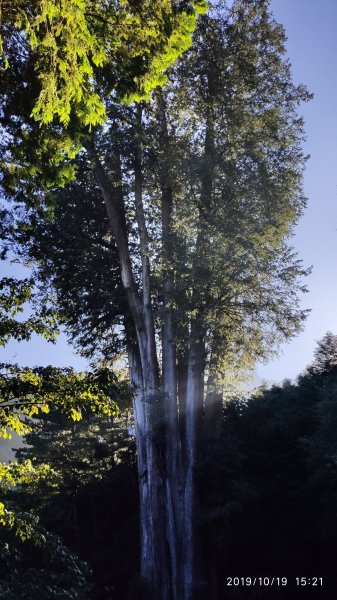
column 312, row 51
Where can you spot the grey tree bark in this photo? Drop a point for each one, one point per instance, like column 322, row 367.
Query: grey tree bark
column 167, row 415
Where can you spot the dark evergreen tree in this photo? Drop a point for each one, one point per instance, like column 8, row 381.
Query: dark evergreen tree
column 271, row 508
column 325, row 357
column 48, row 572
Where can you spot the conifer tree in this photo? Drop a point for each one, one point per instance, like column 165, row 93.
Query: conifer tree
column 325, row 355
column 187, row 204
column 81, row 48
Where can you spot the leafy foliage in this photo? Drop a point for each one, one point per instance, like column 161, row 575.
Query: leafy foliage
column 94, row 504
column 14, row 294
column 94, row 301
column 26, row 392
column 23, row 474
column 48, row 571
column 73, row 40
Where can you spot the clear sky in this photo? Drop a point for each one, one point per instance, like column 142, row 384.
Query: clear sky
column 312, row 49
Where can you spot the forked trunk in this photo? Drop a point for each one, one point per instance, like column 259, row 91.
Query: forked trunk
column 166, row 488
column 166, row 452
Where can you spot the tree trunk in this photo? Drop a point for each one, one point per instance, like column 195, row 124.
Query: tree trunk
column 174, row 462
column 194, row 407
column 148, row 405
column 165, row 465
column 213, row 409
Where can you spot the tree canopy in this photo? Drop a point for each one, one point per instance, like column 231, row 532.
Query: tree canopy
column 235, row 200
column 83, row 50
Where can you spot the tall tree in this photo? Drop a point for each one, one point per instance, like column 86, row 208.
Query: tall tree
column 201, row 188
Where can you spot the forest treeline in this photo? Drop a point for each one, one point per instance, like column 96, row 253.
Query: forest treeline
column 267, row 498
